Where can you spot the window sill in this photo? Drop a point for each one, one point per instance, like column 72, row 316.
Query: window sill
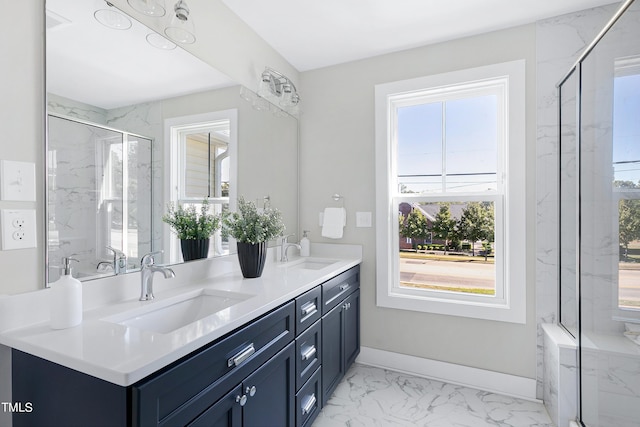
column 490, row 309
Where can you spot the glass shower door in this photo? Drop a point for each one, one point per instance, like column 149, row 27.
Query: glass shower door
column 609, row 233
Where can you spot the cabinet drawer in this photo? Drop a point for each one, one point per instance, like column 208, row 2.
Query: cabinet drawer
column 178, row 394
column 308, row 353
column 336, row 289
column 308, row 309
column 308, row 400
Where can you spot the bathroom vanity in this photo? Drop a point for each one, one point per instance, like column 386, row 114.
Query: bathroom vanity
column 276, row 369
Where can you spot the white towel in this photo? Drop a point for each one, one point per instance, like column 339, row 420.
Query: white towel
column 333, row 222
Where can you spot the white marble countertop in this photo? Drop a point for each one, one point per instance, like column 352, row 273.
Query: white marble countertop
column 124, row 355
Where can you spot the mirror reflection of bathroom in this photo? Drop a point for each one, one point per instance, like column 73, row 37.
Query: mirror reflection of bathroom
column 142, row 89
column 99, row 205
column 201, row 169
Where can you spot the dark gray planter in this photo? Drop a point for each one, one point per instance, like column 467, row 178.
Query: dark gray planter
column 194, row 248
column 252, row 258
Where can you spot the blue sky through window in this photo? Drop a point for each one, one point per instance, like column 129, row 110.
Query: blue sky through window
column 470, row 130
column 626, row 128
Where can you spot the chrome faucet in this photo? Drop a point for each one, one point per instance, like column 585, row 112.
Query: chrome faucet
column 284, row 247
column 119, row 260
column 105, row 264
column 147, row 268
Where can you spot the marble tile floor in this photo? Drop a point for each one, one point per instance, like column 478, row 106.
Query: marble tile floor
column 371, row 396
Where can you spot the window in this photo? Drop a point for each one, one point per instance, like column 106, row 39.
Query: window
column 450, row 180
column 201, row 159
column 626, row 182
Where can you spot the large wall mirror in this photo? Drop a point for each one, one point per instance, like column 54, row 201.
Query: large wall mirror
column 135, row 122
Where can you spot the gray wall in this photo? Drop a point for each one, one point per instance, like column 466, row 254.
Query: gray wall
column 21, row 121
column 337, row 156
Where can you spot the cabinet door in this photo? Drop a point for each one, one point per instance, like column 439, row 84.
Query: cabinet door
column 351, row 328
column 332, row 351
column 270, row 392
column 227, row 412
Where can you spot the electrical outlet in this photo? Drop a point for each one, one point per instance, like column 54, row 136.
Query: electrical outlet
column 18, row 228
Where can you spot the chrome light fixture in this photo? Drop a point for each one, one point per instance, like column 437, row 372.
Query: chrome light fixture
column 279, row 89
column 148, row 7
column 181, row 28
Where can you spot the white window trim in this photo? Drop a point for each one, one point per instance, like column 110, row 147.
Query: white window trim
column 172, row 153
column 512, row 308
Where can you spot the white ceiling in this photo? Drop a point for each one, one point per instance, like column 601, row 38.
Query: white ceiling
column 312, row 34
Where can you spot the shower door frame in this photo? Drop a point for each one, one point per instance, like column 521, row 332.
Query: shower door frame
column 577, row 69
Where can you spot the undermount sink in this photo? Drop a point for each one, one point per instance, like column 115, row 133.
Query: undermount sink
column 310, row 263
column 174, row 313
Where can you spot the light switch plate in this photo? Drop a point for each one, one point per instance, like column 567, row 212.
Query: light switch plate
column 363, row 219
column 17, row 181
column 18, row 228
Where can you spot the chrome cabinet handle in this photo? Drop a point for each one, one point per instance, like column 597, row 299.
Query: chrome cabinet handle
column 344, row 287
column 308, row 308
column 308, row 353
column 240, row 357
column 251, row 391
column 242, row 400
column 346, row 305
column 308, row 403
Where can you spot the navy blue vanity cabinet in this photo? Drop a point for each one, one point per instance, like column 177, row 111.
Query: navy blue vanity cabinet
column 277, row 370
column 60, row 396
column 308, row 309
column 309, row 400
column 265, row 398
column 180, row 394
column 340, row 328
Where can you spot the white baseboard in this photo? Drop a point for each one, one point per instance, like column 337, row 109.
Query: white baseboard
column 495, row 382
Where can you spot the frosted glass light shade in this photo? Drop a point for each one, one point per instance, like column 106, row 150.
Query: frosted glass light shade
column 112, row 19
column 149, row 7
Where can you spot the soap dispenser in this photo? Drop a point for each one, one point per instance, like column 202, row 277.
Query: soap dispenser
column 305, row 245
column 66, row 299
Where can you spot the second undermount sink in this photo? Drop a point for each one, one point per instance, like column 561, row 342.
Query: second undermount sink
column 177, row 312
column 310, row 263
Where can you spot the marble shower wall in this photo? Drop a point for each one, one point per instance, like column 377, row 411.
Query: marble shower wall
column 559, row 43
column 610, row 364
column 84, row 212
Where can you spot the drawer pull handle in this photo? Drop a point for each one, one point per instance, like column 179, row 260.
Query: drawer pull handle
column 308, row 353
column 308, row 308
column 242, row 400
column 308, row 403
column 251, row 391
column 241, row 356
column 344, row 287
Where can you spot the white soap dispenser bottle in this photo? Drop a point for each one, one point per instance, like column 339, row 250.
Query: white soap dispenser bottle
column 305, row 245
column 66, row 299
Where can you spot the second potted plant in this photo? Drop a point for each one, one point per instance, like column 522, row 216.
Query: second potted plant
column 253, row 228
column 193, row 228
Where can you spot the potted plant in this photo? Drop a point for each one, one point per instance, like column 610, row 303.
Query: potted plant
column 253, row 228
column 193, row 228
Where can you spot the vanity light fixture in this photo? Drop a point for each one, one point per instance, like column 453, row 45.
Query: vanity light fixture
column 149, row 7
column 112, row 18
column 277, row 87
column 181, row 28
